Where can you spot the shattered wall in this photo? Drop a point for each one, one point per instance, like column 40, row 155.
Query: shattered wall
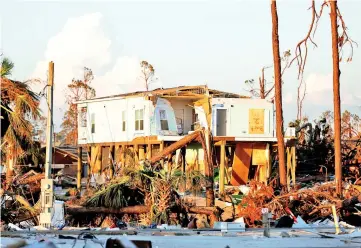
column 163, row 110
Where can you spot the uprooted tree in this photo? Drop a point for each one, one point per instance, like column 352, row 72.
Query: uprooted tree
column 78, row 90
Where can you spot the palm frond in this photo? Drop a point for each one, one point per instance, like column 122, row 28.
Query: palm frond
column 117, row 194
column 25, row 204
column 6, row 67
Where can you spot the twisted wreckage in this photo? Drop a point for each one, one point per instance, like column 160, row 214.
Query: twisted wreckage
column 144, row 150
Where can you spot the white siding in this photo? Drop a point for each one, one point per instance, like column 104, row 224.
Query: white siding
column 108, row 120
column 238, row 116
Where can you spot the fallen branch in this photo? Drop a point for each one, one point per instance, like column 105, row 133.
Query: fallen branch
column 139, row 209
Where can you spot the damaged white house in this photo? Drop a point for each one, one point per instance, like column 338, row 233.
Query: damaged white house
column 149, row 121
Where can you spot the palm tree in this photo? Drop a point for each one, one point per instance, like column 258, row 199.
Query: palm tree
column 19, row 105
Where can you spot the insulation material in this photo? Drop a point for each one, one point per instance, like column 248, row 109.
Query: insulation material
column 194, row 157
column 206, row 107
column 256, row 121
column 202, row 118
column 241, row 163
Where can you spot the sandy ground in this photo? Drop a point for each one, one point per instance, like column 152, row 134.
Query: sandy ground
column 204, row 239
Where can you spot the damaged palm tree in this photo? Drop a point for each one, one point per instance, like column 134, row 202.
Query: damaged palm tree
column 148, row 193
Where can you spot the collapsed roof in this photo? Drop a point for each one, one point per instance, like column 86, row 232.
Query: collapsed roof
column 181, row 91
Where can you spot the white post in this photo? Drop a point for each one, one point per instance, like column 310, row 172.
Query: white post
column 49, row 126
column 47, row 183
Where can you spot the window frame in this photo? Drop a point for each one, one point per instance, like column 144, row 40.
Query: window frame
column 139, row 120
column 163, row 119
column 92, row 123
column 124, row 120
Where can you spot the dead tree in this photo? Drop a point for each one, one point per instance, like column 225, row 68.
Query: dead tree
column 338, row 42
column 336, row 97
column 264, row 91
column 278, row 95
column 147, row 73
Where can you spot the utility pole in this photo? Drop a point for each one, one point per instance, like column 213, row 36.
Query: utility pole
column 47, row 183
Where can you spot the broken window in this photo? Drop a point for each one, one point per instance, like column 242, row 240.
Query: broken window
column 124, row 120
column 163, row 120
column 82, row 118
column 139, row 119
column 93, row 122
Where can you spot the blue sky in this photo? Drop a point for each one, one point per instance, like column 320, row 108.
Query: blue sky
column 221, row 43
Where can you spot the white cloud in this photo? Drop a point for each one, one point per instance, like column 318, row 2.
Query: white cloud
column 320, row 90
column 123, row 77
column 80, row 43
column 318, row 82
column 288, row 98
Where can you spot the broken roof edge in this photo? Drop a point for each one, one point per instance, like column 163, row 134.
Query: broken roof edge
column 173, row 91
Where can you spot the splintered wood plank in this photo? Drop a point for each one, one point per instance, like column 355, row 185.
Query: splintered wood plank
column 241, row 163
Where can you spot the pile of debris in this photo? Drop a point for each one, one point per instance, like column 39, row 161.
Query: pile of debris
column 311, row 204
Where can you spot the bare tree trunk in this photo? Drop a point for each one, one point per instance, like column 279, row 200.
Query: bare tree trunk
column 209, row 170
column 336, row 96
column 262, row 86
column 278, row 95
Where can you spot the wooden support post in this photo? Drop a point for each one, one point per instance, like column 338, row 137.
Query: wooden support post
column 268, row 162
column 98, row 162
column 222, row 167
column 161, row 147
column 183, row 153
column 141, row 153
column 111, row 162
column 149, row 151
column 293, row 152
column 89, row 160
column 209, row 173
column 122, row 156
column 117, row 155
column 136, row 151
column 288, row 151
column 79, row 170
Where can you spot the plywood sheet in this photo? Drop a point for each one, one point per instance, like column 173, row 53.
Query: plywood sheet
column 256, row 121
column 241, row 164
column 259, row 154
